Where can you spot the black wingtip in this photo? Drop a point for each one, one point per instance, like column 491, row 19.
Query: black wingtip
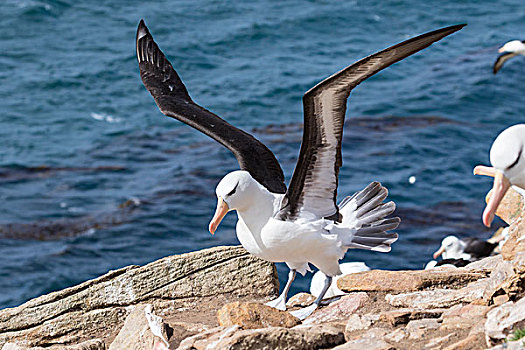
column 445, row 31
column 457, row 26
column 452, row 29
column 500, row 61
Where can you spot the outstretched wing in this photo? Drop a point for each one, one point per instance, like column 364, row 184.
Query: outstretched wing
column 313, row 188
column 173, row 100
column 504, row 57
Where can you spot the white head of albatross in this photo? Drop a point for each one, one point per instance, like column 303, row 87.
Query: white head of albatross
column 507, row 156
column 451, row 248
column 302, row 223
column 239, row 191
column 515, row 46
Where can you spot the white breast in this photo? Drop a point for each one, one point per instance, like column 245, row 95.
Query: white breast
column 251, row 242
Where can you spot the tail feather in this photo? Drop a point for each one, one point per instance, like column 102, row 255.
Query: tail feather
column 366, row 213
column 368, row 192
column 378, row 213
column 383, row 225
column 373, row 202
column 387, row 238
column 370, row 234
column 346, row 200
column 383, row 248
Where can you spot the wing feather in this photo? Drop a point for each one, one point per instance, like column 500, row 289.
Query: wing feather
column 313, row 187
column 172, row 98
column 504, row 57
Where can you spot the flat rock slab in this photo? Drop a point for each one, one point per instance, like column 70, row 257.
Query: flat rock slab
column 356, row 323
column 505, row 319
column 488, row 264
column 276, row 338
column 472, row 342
column 516, row 241
column 396, row 336
column 510, row 207
column 136, row 333
column 419, row 328
column 254, row 315
column 338, row 310
column 301, row 300
column 464, row 316
column 403, row 316
column 98, row 308
column 512, row 211
column 436, row 343
column 439, row 298
column 499, row 274
column 406, row 281
column 94, row 344
column 369, row 340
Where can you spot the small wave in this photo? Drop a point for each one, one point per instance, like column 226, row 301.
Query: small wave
column 89, row 232
column 105, row 117
column 37, row 9
column 32, row 4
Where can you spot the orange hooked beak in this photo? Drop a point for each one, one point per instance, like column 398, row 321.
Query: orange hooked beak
column 485, row 170
column 439, row 252
column 500, row 187
column 220, row 212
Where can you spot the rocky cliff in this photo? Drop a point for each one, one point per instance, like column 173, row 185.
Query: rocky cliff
column 212, row 299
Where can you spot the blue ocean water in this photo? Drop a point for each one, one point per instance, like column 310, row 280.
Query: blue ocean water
column 80, row 135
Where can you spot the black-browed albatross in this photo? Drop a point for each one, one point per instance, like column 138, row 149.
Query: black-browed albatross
column 468, row 248
column 300, row 224
column 507, row 155
column 510, row 49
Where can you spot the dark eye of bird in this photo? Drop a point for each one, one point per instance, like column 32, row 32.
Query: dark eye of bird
column 233, row 191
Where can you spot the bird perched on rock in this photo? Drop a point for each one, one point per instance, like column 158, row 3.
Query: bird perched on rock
column 510, row 49
column 300, row 224
column 507, row 156
column 469, row 249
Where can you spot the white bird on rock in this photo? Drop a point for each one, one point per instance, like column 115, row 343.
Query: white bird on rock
column 511, row 49
column 507, row 156
column 301, row 224
column 469, row 248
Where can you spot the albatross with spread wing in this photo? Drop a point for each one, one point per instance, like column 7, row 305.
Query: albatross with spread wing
column 301, row 224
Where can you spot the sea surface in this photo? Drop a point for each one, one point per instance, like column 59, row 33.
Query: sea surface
column 93, row 177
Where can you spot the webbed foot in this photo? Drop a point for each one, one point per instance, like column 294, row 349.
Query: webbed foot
column 278, row 303
column 304, row 312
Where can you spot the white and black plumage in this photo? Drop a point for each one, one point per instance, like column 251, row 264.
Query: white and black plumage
column 510, row 49
column 447, row 262
column 507, row 156
column 469, row 248
column 300, row 224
